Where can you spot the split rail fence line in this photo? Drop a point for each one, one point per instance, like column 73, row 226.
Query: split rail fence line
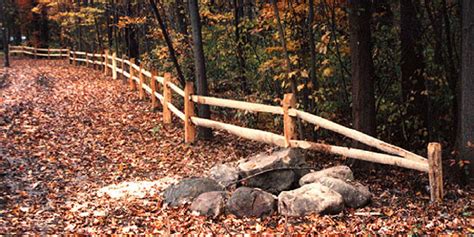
column 136, row 76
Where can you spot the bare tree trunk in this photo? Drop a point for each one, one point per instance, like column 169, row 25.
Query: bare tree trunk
column 108, row 25
column 362, row 69
column 465, row 141
column 200, row 66
column 238, row 13
column 412, row 67
column 169, row 43
column 283, row 45
column 181, row 17
column 132, row 43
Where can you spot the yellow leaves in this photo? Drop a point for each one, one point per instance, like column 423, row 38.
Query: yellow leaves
column 328, row 72
column 36, row 10
column 125, row 21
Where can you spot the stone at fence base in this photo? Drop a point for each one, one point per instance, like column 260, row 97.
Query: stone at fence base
column 210, row 204
column 274, row 181
column 313, row 198
column 250, row 202
column 282, row 167
column 187, row 190
column 340, row 172
column 354, row 194
column 224, row 174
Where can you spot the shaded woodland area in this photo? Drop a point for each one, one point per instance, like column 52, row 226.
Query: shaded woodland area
column 400, row 71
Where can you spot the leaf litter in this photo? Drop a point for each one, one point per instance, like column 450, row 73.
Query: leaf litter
column 80, row 153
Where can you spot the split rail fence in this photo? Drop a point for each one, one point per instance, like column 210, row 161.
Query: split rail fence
column 160, row 88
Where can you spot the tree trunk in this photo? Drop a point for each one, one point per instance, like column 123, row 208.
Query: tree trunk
column 465, row 140
column 108, row 26
column 180, row 17
column 412, row 69
column 169, row 43
column 362, row 69
column 132, row 42
column 238, row 13
column 200, row 66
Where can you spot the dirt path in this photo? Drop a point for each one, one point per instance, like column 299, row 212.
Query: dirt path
column 67, row 132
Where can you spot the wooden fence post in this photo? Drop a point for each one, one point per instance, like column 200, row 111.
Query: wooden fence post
column 189, row 128
column 87, row 60
column 93, row 58
column 69, row 56
column 74, row 58
column 130, row 79
column 140, row 85
column 122, row 76
column 435, row 172
column 49, row 54
column 106, row 67
column 34, row 53
column 166, row 99
column 154, row 87
column 114, row 65
column 289, row 101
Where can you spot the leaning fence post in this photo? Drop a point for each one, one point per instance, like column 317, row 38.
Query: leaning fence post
column 74, row 58
column 166, row 99
column 130, row 79
column 87, row 59
column 106, row 67
column 140, row 85
column 189, row 128
column 122, row 75
column 154, row 87
column 114, row 65
column 289, row 101
column 435, row 172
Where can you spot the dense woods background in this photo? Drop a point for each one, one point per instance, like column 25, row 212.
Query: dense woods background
column 399, row 70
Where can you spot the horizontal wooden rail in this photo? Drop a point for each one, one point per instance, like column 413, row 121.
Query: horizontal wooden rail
column 254, row 107
column 248, row 133
column 362, row 155
column 176, row 89
column 356, row 135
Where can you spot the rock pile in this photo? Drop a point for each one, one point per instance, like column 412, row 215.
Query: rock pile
column 268, row 183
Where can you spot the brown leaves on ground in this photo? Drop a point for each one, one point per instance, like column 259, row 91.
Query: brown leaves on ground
column 67, row 132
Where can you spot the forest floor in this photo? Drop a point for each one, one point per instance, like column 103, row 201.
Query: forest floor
column 67, row 132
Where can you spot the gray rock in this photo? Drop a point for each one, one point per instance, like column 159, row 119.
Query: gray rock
column 354, row 194
column 250, row 202
column 277, row 180
column 311, row 198
column 283, row 158
column 188, row 189
column 273, row 182
column 224, row 174
column 210, row 204
column 340, row 172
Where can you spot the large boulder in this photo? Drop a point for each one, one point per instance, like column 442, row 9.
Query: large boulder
column 340, row 172
column 210, row 204
column 187, row 190
column 250, row 202
column 274, row 181
column 354, row 194
column 313, row 198
column 224, row 174
column 283, row 177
